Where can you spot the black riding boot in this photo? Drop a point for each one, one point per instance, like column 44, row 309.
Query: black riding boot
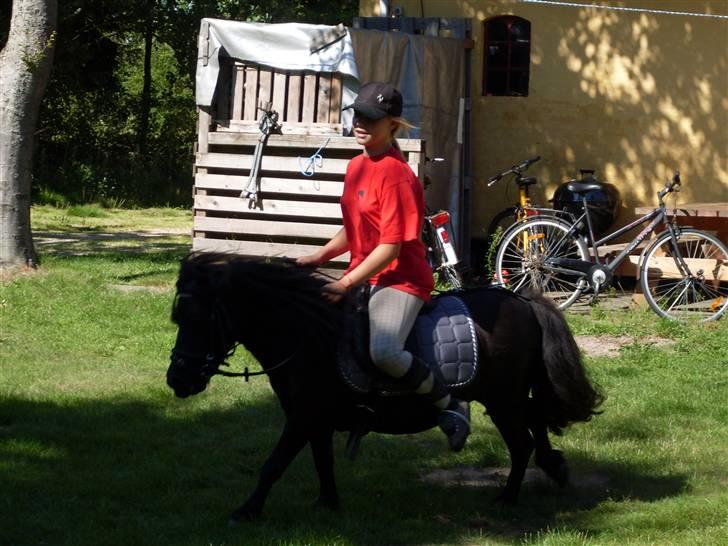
column 454, row 418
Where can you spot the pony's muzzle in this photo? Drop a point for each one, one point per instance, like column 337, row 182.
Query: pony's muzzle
column 182, row 381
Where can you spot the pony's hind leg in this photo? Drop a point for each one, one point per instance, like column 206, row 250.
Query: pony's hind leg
column 550, row 460
column 322, row 448
column 513, row 428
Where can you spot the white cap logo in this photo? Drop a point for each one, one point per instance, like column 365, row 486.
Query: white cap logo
column 380, row 98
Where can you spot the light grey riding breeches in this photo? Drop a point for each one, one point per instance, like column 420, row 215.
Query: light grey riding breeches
column 392, row 314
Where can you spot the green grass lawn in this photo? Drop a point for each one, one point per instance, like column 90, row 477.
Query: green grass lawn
column 95, row 449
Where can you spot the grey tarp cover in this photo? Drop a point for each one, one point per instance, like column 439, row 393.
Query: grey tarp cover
column 428, row 70
column 286, row 46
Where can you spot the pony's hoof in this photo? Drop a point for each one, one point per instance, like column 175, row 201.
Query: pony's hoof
column 242, row 515
column 329, row 504
column 555, row 467
column 506, row 498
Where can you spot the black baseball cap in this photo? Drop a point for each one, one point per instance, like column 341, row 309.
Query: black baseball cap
column 376, row 100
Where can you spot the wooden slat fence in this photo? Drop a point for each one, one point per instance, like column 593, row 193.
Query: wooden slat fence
column 297, row 213
column 310, row 101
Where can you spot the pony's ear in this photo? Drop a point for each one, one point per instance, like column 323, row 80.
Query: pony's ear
column 219, row 278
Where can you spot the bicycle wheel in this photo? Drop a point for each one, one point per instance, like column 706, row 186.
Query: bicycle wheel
column 503, row 220
column 686, row 278
column 520, row 261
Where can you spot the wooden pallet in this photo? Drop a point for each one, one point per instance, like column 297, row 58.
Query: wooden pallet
column 306, row 102
column 298, row 214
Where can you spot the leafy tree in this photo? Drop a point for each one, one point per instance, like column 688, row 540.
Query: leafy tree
column 118, row 122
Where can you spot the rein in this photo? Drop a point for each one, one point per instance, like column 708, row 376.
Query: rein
column 220, row 322
column 245, row 373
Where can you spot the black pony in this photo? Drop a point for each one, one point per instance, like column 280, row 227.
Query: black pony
column 530, row 377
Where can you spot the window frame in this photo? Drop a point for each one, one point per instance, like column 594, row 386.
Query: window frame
column 509, row 69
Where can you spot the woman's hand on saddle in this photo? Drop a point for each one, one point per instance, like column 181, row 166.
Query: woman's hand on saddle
column 334, row 292
column 312, row 260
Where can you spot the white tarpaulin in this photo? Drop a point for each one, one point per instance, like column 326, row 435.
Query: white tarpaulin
column 286, row 46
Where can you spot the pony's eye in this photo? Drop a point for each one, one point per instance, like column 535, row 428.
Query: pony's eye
column 184, row 308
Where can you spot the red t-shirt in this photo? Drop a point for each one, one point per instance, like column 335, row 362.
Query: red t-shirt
column 383, row 202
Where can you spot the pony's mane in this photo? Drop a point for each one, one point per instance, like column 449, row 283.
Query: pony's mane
column 271, row 279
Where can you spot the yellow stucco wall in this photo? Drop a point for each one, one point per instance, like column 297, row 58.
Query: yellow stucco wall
column 633, row 95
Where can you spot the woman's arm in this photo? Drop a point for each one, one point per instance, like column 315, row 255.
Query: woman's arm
column 335, row 247
column 380, row 258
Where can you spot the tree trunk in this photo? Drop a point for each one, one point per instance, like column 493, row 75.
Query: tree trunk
column 25, row 66
column 146, row 102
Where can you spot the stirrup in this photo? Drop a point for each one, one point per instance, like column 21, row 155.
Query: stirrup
column 456, row 425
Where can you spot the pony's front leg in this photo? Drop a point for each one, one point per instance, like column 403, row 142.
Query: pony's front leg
column 292, row 440
column 322, row 447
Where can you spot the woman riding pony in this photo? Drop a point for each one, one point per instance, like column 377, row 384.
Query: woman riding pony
column 383, row 212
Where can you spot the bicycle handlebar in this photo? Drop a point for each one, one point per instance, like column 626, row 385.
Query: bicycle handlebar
column 516, row 169
column 670, row 186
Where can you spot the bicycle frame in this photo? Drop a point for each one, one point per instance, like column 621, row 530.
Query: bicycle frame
column 655, row 217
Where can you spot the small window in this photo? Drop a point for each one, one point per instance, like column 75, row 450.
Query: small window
column 507, row 56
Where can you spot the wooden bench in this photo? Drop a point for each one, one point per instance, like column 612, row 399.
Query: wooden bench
column 711, row 217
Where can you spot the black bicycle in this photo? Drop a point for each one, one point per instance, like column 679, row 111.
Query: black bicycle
column 683, row 273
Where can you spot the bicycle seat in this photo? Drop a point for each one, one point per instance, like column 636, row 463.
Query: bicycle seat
column 527, row 181
column 583, row 187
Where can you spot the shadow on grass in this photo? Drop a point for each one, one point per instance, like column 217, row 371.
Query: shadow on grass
column 170, row 471
column 65, row 244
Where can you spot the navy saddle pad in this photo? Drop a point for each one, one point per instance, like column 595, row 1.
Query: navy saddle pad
column 444, row 337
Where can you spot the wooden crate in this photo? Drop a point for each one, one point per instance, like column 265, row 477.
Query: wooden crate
column 306, row 102
column 298, row 214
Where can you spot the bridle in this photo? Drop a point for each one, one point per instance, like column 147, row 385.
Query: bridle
column 219, row 322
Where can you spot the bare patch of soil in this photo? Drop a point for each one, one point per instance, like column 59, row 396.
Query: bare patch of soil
column 597, row 346
column 469, row 476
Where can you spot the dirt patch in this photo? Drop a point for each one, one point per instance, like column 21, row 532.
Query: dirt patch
column 132, row 288
column 11, row 272
column 469, row 476
column 597, row 346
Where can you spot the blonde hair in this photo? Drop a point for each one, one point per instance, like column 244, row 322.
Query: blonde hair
column 401, row 123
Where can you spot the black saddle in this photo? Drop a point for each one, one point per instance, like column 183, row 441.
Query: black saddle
column 444, row 337
column 527, row 181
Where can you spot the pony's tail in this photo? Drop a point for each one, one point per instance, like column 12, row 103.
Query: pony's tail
column 565, row 395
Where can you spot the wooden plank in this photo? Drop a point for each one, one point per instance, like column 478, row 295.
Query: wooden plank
column 335, row 105
column 203, row 130
column 293, row 108
column 265, row 85
column 303, row 141
column 300, row 185
column 238, row 91
column 258, row 248
column 223, row 95
column 265, row 227
column 270, row 206
column 700, row 210
column 268, row 163
column 667, row 268
column 250, row 110
column 323, row 102
column 252, row 127
column 308, row 112
column 280, row 84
